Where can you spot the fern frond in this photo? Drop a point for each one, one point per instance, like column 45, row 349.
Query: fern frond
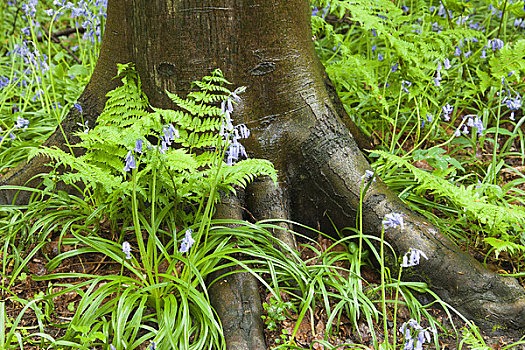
column 497, row 217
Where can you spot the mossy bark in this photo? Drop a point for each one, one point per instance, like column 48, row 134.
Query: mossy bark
column 296, row 122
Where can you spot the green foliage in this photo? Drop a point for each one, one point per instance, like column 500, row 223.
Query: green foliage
column 276, row 310
column 497, row 219
column 184, row 175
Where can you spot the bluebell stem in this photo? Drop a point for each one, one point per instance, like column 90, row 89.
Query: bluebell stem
column 187, row 241
column 126, row 249
column 393, row 220
column 130, row 162
column 412, row 257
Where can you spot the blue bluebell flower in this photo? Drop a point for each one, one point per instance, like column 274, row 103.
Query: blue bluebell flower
column 126, row 249
column 412, row 257
column 394, row 67
column 393, row 220
column 138, row 145
column 446, row 63
column 130, row 162
column 369, row 175
column 422, row 335
column 187, row 241
column 513, row 104
column 21, row 123
column 447, row 110
column 78, row 107
column 495, row 44
column 405, row 84
column 484, row 52
column 380, row 57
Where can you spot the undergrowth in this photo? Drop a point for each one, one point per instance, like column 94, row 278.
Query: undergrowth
column 124, row 261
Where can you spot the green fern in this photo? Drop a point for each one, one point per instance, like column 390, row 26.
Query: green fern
column 498, row 218
column 184, row 174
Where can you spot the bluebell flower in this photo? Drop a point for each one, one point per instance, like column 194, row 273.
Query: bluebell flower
column 374, row 47
column 187, row 241
column 126, row 249
column 130, row 162
column 513, row 104
column 483, row 53
column 457, row 133
column 457, row 51
column 26, row 31
column 405, row 84
column 138, row 145
column 78, row 107
column 4, row 82
column 380, row 57
column 369, row 175
column 446, row 63
column 393, row 220
column 405, row 9
column 112, row 347
column 447, row 110
column 495, row 44
column 170, row 133
column 374, row 32
column 468, row 53
column 422, row 335
column 21, row 123
column 412, row 257
column 152, row 346
column 478, row 123
column 394, row 67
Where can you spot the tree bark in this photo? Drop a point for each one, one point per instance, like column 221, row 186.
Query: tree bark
column 296, row 122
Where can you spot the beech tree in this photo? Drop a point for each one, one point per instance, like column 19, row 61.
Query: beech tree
column 297, row 122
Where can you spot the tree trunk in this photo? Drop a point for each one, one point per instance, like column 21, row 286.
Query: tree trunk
column 296, row 122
